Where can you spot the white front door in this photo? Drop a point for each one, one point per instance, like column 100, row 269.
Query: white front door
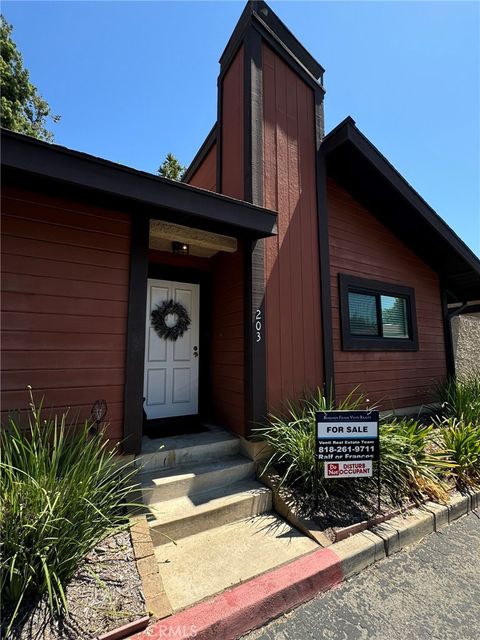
column 171, row 366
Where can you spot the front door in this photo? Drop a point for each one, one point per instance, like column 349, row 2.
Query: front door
column 171, row 365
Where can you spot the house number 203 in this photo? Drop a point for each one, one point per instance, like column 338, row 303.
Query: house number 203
column 258, row 325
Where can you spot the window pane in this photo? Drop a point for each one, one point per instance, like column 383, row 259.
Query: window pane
column 362, row 311
column 394, row 317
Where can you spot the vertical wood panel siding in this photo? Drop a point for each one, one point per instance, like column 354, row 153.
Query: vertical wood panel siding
column 232, row 129
column 294, row 347
column 64, row 304
column 228, row 340
column 228, row 344
column 205, row 176
column 360, row 245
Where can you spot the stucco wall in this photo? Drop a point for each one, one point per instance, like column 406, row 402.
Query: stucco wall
column 466, row 343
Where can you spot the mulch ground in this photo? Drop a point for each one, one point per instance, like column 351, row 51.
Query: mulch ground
column 104, row 594
column 350, row 502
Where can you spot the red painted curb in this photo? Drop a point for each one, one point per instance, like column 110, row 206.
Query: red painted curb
column 126, row 630
column 253, row 603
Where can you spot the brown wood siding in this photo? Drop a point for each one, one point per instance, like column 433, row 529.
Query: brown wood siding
column 360, row 245
column 228, row 344
column 205, row 175
column 232, row 129
column 293, row 324
column 65, row 273
column 228, row 270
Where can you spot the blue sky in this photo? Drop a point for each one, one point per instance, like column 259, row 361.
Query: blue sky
column 135, row 80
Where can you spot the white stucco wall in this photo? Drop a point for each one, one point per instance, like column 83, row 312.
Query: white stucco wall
column 466, row 343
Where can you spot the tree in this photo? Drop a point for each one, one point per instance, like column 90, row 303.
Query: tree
column 22, row 108
column 171, row 168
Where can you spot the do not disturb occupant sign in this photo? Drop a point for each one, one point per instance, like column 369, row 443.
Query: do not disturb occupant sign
column 347, row 436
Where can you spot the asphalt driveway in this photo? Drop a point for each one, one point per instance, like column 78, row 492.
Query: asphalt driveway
column 430, row 591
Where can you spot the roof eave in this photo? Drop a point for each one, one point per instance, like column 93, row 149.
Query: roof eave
column 347, row 136
column 52, row 162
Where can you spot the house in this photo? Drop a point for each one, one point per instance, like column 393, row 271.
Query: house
column 298, row 260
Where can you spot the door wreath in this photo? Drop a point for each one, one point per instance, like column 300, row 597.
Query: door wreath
column 159, row 317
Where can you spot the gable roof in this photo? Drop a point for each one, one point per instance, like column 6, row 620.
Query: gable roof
column 358, row 166
column 42, row 163
column 259, row 16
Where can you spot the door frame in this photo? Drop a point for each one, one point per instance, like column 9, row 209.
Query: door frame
column 159, row 271
column 140, row 269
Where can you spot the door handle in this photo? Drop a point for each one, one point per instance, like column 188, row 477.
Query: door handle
column 195, row 352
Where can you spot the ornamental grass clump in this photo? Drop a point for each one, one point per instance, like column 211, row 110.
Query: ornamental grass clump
column 412, row 465
column 460, row 398
column 292, row 437
column 62, row 491
column 462, row 440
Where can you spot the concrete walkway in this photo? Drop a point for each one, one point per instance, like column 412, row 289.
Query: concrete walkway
column 209, row 519
column 428, row 591
column 199, row 566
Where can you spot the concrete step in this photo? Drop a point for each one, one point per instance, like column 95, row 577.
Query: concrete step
column 168, row 453
column 189, row 515
column 184, row 480
column 200, row 566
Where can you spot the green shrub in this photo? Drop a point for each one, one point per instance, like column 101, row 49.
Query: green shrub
column 293, row 437
column 417, row 457
column 62, row 491
column 462, row 439
column 460, row 398
column 411, row 465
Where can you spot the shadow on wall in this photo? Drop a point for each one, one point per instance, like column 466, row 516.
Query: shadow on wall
column 466, row 343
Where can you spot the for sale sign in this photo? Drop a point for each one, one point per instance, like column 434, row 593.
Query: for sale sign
column 348, row 469
column 347, row 436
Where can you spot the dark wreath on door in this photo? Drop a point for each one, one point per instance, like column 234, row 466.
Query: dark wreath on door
column 170, row 320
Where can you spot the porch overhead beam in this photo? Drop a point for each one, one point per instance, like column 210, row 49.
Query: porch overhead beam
column 197, row 237
column 52, row 162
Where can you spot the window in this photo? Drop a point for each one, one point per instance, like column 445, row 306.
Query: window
column 377, row 316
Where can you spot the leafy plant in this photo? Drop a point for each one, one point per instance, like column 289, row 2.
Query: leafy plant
column 462, row 439
column 22, row 107
column 460, row 398
column 63, row 490
column 411, row 464
column 171, row 168
column 293, row 437
column 417, row 458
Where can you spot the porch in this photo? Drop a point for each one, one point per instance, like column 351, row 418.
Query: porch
column 203, row 265
column 83, row 237
column 194, row 364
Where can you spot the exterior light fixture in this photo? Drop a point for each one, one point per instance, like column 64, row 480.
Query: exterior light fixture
column 97, row 414
column 180, row 248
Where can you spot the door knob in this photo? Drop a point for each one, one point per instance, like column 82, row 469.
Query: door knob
column 195, row 352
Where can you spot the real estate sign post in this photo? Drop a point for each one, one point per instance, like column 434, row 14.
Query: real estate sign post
column 347, row 443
